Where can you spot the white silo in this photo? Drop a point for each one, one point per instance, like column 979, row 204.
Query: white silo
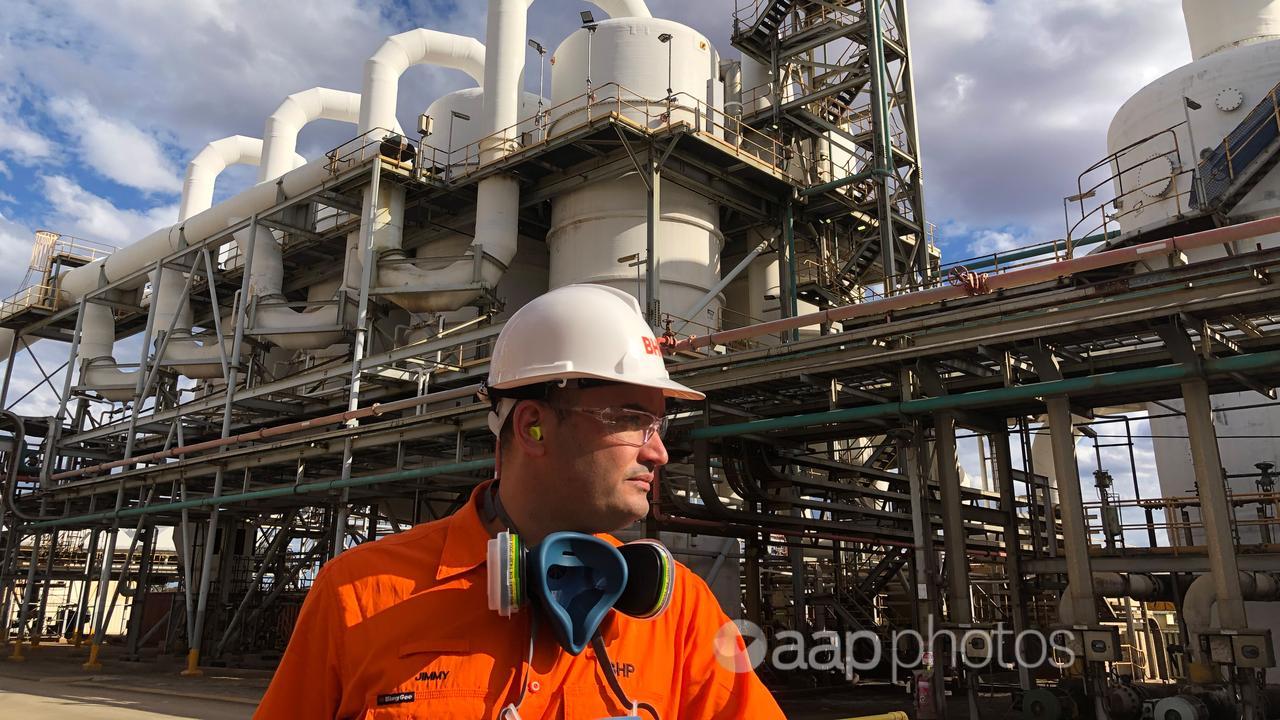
column 1236, row 50
column 1237, row 63
column 627, row 61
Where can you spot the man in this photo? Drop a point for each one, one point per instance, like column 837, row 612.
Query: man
column 401, row 627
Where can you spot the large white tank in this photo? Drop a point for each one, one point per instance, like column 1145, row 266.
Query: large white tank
column 627, row 65
column 1237, row 51
column 1227, row 83
column 593, row 226
column 459, row 138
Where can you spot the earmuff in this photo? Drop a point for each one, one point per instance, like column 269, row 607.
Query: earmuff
column 576, row 579
column 651, row 579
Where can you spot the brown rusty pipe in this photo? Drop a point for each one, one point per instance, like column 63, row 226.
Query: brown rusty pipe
column 276, row 430
column 1003, row 281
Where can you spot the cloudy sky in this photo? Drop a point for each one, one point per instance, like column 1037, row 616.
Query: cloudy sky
column 103, row 103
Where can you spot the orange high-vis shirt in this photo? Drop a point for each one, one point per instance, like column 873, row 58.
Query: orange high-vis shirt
column 401, row 628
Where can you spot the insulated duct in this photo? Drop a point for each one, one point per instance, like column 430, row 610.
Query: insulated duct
column 99, row 368
column 1197, row 611
column 280, row 324
column 497, row 198
column 194, row 359
column 1136, row 586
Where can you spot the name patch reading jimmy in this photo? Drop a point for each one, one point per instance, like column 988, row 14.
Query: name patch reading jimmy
column 395, row 698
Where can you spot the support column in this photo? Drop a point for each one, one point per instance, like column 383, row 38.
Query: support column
column 82, row 604
column 45, row 587
column 653, row 217
column 17, row 655
column 1012, row 543
column 1214, row 507
column 233, row 371
column 928, row 603
column 1075, row 533
column 358, row 349
column 959, row 608
column 138, row 610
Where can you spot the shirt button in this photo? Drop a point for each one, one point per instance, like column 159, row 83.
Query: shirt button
column 534, row 686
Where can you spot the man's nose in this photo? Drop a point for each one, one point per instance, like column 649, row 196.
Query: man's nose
column 654, row 452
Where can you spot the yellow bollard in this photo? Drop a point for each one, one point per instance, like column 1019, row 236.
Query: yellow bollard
column 193, row 664
column 93, row 665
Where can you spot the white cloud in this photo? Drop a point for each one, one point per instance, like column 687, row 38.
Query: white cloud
column 955, row 22
column 116, row 148
column 22, row 144
column 78, row 212
column 1048, row 76
column 5, row 171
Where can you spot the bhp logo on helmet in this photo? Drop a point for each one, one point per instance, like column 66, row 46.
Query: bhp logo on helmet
column 651, row 346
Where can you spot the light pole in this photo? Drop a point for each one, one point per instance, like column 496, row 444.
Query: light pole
column 665, row 39
column 634, row 260
column 448, row 170
column 1187, row 106
column 542, row 66
column 588, row 22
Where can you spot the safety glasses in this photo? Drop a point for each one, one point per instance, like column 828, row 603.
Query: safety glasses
column 630, row 427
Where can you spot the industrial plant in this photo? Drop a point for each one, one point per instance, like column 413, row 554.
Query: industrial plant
column 278, row 377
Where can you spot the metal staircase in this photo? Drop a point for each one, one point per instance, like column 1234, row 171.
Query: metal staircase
column 843, row 97
column 1243, row 158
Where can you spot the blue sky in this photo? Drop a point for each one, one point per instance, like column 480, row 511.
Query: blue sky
column 102, row 104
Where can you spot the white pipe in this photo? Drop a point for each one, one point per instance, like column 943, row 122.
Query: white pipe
column 431, row 290
column 280, row 137
column 285, row 326
column 128, row 260
column 98, row 369
column 1197, row 613
column 1138, row 586
column 193, row 358
column 382, row 71
column 1197, row 605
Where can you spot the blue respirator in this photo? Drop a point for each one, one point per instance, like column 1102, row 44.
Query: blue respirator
column 576, row 579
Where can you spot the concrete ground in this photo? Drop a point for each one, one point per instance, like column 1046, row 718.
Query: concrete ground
column 51, row 684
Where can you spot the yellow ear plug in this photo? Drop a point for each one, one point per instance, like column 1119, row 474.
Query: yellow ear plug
column 535, row 432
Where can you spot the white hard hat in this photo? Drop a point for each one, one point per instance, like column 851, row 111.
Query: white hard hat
column 578, row 332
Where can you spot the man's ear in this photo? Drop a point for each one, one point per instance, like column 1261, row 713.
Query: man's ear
column 528, row 427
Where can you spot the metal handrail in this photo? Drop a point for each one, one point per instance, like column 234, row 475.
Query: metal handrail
column 1119, row 170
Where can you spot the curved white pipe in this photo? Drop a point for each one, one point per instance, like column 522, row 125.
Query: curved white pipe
column 431, row 290
column 398, row 53
column 128, row 260
column 280, row 137
column 204, row 168
column 191, row 357
column 1202, row 595
column 98, row 369
column 284, row 326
